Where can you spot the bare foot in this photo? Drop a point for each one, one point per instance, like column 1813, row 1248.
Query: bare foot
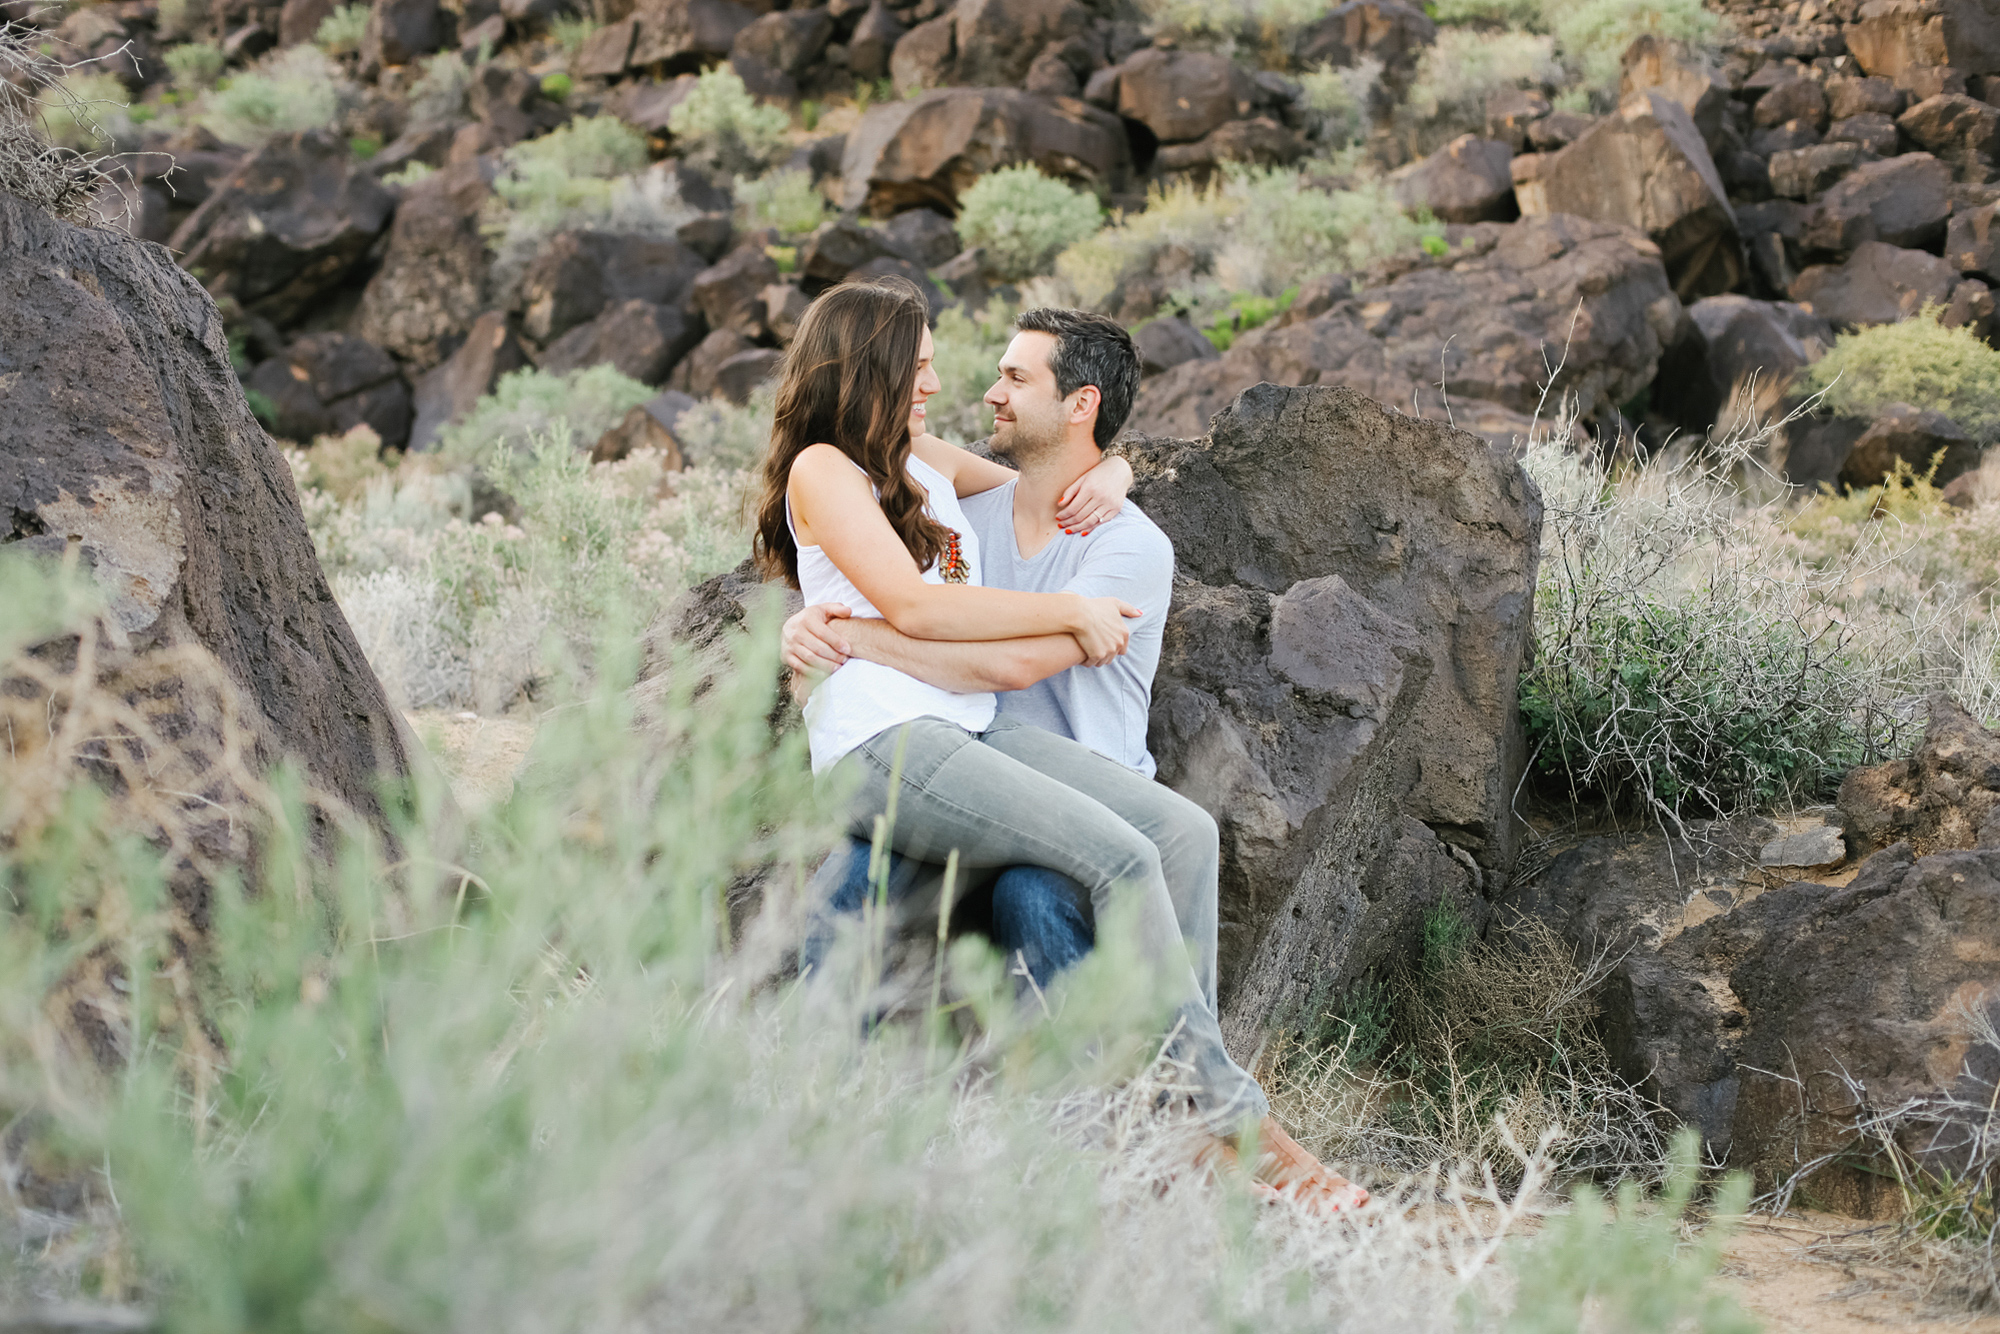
column 1284, row 1165
column 1215, row 1159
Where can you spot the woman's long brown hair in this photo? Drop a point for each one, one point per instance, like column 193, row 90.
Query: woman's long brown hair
column 848, row 381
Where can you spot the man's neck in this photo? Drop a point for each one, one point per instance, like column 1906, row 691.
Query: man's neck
column 1038, row 494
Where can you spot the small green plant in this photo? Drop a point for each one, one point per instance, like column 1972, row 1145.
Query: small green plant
column 557, row 86
column 193, row 66
column 1244, row 312
column 722, row 125
column 1917, row 361
column 1340, row 99
column 295, row 89
column 809, row 114
column 1626, row 1267
column 440, row 92
column 410, row 175
column 1023, row 220
column 340, row 33
column 364, row 146
column 570, row 32
column 785, row 199
column 528, row 404
column 1591, row 35
column 1436, row 246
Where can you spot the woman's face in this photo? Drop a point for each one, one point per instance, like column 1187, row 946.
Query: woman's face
column 927, row 384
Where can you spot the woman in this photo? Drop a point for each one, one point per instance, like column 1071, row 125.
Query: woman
column 860, row 507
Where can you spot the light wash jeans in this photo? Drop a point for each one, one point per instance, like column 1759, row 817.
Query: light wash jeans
column 1017, row 795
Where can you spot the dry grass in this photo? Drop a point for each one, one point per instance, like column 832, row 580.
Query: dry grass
column 66, row 182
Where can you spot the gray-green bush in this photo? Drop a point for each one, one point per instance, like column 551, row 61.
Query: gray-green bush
column 340, row 33
column 722, row 125
column 1917, row 361
column 527, row 404
column 1022, row 220
column 295, row 89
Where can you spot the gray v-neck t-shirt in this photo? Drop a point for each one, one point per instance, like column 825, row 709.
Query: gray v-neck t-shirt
column 1126, row 557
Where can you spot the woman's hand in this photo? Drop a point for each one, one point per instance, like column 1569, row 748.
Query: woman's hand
column 1096, row 496
column 813, row 646
column 1101, row 630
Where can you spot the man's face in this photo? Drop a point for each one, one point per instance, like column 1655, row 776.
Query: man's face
column 1030, row 420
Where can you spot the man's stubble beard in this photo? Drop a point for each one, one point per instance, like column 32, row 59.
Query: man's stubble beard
column 1025, row 447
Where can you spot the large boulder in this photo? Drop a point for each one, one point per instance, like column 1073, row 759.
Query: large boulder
column 1960, row 131
column 287, row 226
column 399, row 31
column 683, row 36
column 1427, row 522
column 1773, row 1014
column 1972, row 243
column 1738, row 360
column 1892, row 36
column 329, row 383
column 432, row 282
column 639, row 339
column 1902, row 201
column 1658, row 64
column 1646, row 166
column 578, row 274
column 452, row 388
column 1879, row 284
column 1182, row 95
column 123, row 430
column 1465, row 181
column 1507, row 302
column 1913, row 436
column 922, row 151
column 996, row 41
column 1395, row 34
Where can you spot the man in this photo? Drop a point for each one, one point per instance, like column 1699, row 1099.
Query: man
column 1066, row 385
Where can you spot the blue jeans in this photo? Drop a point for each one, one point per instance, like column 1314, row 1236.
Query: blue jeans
column 1038, row 914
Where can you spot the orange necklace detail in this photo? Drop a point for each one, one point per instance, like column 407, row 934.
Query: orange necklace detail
column 954, row 568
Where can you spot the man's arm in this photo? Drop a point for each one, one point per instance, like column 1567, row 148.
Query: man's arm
column 965, row 667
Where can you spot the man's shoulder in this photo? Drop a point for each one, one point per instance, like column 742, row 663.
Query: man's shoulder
column 986, row 506
column 1133, row 530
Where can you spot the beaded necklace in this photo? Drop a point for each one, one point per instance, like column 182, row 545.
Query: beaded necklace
column 954, row 569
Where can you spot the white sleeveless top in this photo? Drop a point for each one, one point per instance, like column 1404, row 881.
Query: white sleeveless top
column 860, row 698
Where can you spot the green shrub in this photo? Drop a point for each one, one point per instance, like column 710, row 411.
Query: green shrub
column 296, row 89
column 1521, row 15
column 785, row 199
column 723, row 126
column 1456, row 74
column 440, row 92
column 340, row 33
column 1023, row 219
column 1917, row 361
column 1244, row 312
column 1264, row 25
column 1340, row 99
column 1627, row 1267
column 86, row 112
column 528, row 404
column 571, row 31
column 557, row 86
column 193, row 66
column 1592, row 34
column 721, row 434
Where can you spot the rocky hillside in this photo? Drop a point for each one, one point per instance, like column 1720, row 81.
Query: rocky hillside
column 397, row 205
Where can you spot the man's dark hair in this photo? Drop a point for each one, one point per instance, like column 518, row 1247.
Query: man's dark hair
column 1090, row 349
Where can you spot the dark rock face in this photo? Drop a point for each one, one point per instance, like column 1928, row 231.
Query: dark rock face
column 399, row 31
column 328, row 383
column 1911, row 435
column 124, row 428
column 1654, row 63
column 1647, row 167
column 1902, row 201
column 1165, row 343
column 1259, row 140
column 1960, row 131
column 286, row 226
column 1940, row 799
column 1182, row 96
column 1768, row 1012
column 1804, row 173
column 1468, row 180
column 921, row 152
column 1383, row 30
column 1504, row 295
column 1427, row 523
column 683, row 35
column 432, row 282
column 1973, row 243
column 1879, row 284
column 580, row 273
column 1894, row 36
column 640, row 339
column 492, row 349
column 1738, row 346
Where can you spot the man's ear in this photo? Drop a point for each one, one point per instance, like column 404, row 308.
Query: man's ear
column 1084, row 404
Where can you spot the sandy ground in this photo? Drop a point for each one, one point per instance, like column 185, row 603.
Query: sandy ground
column 1804, row 1273
column 479, row 755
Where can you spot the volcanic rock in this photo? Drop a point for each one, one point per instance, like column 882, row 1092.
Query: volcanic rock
column 432, row 282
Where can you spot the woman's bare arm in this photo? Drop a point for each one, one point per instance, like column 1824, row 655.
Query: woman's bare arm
column 835, row 509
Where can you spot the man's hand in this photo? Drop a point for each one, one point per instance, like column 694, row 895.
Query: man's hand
column 813, row 645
